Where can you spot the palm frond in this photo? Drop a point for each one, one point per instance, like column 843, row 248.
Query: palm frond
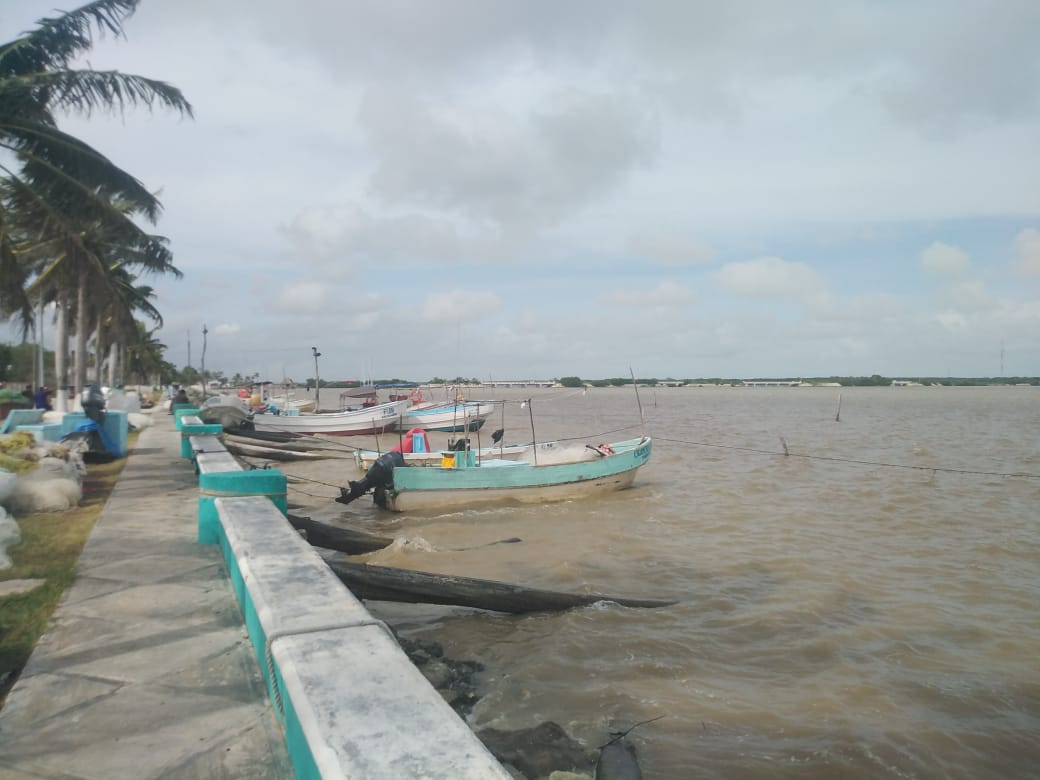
column 84, row 91
column 58, row 40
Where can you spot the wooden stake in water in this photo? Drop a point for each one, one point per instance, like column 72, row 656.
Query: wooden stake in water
column 639, row 403
column 534, row 439
column 784, row 442
column 837, row 417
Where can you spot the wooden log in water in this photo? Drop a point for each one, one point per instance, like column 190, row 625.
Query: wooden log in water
column 276, row 436
column 295, row 444
column 383, row 583
column 272, row 453
column 344, row 540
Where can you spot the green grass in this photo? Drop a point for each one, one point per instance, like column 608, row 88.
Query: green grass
column 49, row 550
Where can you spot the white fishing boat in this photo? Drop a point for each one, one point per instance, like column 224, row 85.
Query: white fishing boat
column 377, row 418
column 449, row 416
column 573, row 470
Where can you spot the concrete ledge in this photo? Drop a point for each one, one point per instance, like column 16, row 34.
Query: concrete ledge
column 188, row 431
column 351, row 702
column 285, row 587
column 269, row 483
column 357, row 707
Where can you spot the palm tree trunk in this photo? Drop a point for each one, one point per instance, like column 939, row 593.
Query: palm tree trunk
column 113, row 361
column 61, row 355
column 99, row 350
column 81, row 335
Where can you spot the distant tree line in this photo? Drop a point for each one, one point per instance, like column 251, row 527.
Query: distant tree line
column 875, row 380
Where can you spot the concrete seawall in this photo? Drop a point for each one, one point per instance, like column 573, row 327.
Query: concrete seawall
column 176, row 659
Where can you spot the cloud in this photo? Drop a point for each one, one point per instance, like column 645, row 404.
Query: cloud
column 944, row 259
column 454, row 306
column 522, row 169
column 304, row 297
column 666, row 294
column 772, row 278
column 1027, row 252
column 969, row 296
column 227, row 329
column 343, row 240
column 669, row 249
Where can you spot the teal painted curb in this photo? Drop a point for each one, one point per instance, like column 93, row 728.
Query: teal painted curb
column 300, row 753
column 182, row 410
column 222, row 484
column 197, row 429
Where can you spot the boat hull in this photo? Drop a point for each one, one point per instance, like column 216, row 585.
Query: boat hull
column 448, row 489
column 464, row 416
column 375, row 419
column 364, row 459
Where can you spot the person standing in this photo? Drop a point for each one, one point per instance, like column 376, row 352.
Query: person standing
column 42, row 398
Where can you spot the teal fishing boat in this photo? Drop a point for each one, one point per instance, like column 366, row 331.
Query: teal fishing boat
column 463, row 480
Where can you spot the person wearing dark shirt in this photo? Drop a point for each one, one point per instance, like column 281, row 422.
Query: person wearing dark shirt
column 180, row 398
column 42, row 398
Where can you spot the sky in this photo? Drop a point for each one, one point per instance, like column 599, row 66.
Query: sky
column 506, row 190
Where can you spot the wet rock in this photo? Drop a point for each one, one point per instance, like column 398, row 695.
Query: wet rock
column 455, row 680
column 538, row 751
column 617, row 761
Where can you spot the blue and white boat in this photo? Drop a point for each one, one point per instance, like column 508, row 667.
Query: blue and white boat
column 450, row 416
column 463, row 480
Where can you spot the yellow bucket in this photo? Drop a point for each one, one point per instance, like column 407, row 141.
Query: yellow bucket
column 447, row 460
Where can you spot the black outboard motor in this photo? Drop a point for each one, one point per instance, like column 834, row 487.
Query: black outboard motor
column 381, row 475
column 98, row 446
column 93, row 402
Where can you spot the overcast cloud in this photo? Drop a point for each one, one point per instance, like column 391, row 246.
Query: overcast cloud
column 541, row 189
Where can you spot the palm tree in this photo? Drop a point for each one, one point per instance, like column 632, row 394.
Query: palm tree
column 116, row 323
column 144, row 358
column 60, row 191
column 97, row 264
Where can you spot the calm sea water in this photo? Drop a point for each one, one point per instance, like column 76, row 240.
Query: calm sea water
column 837, row 617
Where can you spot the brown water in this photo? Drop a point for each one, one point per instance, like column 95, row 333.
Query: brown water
column 836, row 618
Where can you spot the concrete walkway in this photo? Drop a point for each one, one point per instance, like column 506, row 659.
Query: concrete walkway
column 146, row 670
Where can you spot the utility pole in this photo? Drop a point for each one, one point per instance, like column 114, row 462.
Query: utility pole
column 317, row 381
column 204, row 332
column 189, row 348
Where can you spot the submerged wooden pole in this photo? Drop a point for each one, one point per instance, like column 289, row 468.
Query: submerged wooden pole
column 837, row 416
column 383, row 583
column 331, row 537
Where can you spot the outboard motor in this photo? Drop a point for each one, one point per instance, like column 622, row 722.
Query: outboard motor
column 91, row 436
column 93, row 402
column 381, row 475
